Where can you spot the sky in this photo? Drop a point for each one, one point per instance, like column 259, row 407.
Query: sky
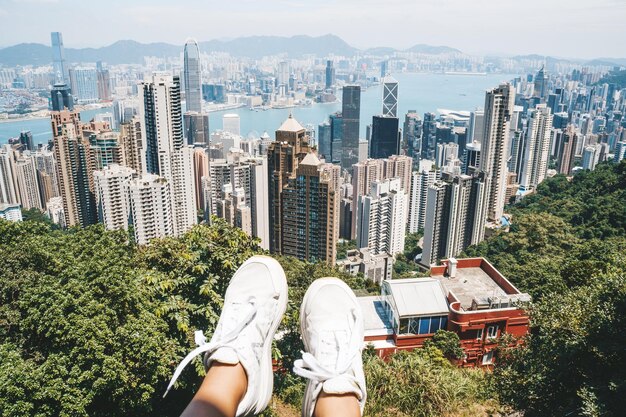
column 562, row 28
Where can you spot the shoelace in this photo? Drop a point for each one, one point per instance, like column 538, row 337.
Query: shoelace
column 309, row 366
column 223, row 341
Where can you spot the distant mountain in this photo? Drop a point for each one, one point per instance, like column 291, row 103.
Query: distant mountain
column 132, row 52
column 380, row 51
column 259, row 46
column 433, row 50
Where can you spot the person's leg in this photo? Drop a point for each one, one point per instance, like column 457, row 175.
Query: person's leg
column 332, row 331
column 346, row 405
column 220, row 393
column 238, row 358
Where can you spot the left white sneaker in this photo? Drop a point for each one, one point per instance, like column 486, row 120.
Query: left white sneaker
column 254, row 305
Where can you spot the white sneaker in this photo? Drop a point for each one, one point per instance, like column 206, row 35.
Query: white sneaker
column 254, row 305
column 331, row 323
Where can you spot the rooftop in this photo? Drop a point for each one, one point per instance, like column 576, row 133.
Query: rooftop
column 375, row 320
column 290, row 125
column 418, row 296
column 476, row 284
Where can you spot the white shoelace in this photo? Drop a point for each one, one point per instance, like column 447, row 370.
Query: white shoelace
column 223, row 341
column 309, row 366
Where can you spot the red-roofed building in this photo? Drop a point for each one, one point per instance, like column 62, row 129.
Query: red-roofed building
column 466, row 296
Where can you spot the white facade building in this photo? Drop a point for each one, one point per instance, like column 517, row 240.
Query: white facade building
column 537, row 148
column 151, row 208
column 111, row 189
column 183, row 190
column 381, row 217
column 424, row 177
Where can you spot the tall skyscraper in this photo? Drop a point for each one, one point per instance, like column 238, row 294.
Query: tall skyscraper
column 9, row 194
column 112, row 196
column 385, row 139
column 151, row 208
column 324, row 141
column 27, row 181
column 330, row 74
column 104, row 85
column 567, row 151
column 429, row 136
column 192, row 77
column 162, row 127
column 336, row 137
column 183, row 190
column 455, row 216
column 61, row 97
column 197, row 128
column 390, row 97
column 381, row 218
column 421, row 180
column 476, row 127
column 540, row 84
column 412, row 134
column 59, row 66
column 363, row 175
column 131, row 141
column 310, row 211
column 537, row 152
column 494, row 149
column 284, row 155
column 351, row 113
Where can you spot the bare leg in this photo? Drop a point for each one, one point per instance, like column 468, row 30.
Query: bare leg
column 220, row 393
column 328, row 405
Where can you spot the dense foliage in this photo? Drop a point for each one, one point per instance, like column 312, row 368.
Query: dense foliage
column 567, row 247
column 92, row 325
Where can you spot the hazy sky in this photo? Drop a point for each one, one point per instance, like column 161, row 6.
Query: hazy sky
column 565, row 28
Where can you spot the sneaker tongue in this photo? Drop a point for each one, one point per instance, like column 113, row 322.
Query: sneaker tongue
column 225, row 355
column 341, row 385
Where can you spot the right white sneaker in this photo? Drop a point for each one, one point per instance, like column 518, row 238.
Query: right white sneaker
column 331, row 324
column 254, row 305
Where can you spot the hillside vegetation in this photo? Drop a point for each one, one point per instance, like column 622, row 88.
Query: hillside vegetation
column 92, row 325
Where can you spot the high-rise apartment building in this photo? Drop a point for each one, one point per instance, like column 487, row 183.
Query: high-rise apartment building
column 455, row 216
column 324, row 141
column 104, row 85
column 310, row 211
column 104, row 149
column 390, row 97
column 421, row 180
column 151, row 208
column 112, row 195
column 132, row 145
column 351, row 114
column 537, row 148
column 183, row 190
column 567, row 151
column 192, row 77
column 162, row 127
column 476, row 128
column 499, row 104
column 27, row 181
column 284, row 155
column 381, row 218
column 9, row 194
column 59, row 65
column 249, row 174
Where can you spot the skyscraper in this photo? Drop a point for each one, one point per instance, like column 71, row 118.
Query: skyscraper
column 381, row 217
column 385, row 139
column 494, row 149
column 9, row 194
column 476, row 127
column 61, row 97
column 192, row 76
column 27, row 181
column 197, row 128
column 567, row 151
column 324, row 141
column 537, row 152
column 59, row 65
column 84, row 83
column 455, row 216
column 330, row 74
column 390, row 97
column 183, row 190
column 151, row 208
column 112, row 196
column 421, row 180
column 541, row 84
column 162, row 127
column 350, row 111
column 310, row 211
column 336, row 137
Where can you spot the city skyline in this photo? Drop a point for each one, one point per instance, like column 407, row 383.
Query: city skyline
column 454, row 23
